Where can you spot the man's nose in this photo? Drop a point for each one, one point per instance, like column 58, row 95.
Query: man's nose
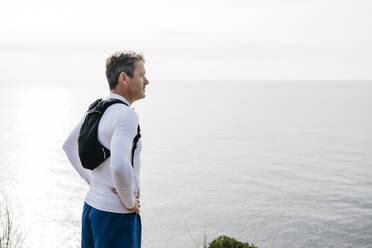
column 146, row 81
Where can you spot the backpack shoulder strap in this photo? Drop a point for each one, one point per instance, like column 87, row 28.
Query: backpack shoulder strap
column 100, row 105
column 94, row 104
column 135, row 141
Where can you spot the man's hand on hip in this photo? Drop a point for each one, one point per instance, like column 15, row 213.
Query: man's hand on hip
column 137, row 205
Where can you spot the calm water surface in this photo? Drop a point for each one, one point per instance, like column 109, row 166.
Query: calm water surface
column 279, row 164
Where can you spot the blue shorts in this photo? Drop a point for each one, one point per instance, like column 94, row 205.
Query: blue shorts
column 101, row 229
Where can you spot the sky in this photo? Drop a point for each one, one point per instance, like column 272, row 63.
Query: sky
column 69, row 41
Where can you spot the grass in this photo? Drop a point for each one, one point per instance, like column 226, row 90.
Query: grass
column 9, row 235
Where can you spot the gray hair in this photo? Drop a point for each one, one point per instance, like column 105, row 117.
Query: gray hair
column 121, row 61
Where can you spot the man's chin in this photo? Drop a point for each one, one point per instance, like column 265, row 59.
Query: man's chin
column 142, row 96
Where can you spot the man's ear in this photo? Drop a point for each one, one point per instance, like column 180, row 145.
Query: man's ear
column 123, row 77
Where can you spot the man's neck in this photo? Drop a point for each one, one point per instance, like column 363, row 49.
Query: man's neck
column 123, row 95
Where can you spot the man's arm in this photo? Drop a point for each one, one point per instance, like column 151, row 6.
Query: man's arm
column 121, row 169
column 137, row 167
column 70, row 147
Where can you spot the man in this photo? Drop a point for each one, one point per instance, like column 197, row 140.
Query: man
column 110, row 216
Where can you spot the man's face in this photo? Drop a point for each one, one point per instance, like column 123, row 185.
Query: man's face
column 139, row 81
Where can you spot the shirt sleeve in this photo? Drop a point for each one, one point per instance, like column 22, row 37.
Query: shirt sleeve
column 71, row 149
column 137, row 167
column 121, row 168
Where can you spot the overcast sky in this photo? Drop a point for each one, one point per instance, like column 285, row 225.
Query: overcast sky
column 68, row 41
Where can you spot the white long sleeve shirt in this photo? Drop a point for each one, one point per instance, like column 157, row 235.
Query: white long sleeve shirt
column 116, row 131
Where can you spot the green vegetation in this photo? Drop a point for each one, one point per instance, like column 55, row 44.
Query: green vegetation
column 227, row 242
column 9, row 236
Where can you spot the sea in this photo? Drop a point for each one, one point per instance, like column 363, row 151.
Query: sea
column 275, row 163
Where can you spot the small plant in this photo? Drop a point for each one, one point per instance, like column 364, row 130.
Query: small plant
column 227, row 242
column 9, row 236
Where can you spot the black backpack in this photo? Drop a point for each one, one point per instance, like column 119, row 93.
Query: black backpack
column 91, row 152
